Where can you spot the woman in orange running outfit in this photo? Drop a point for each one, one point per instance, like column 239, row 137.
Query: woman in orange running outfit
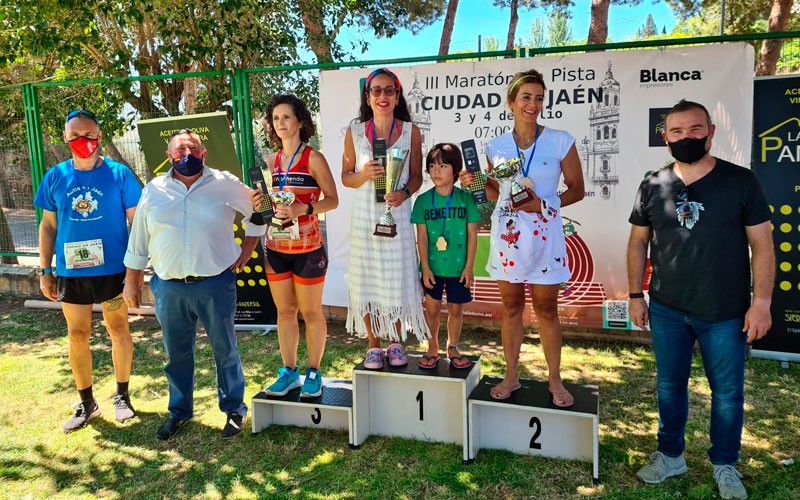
column 296, row 258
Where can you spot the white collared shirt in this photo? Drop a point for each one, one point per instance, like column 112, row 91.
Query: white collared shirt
column 189, row 232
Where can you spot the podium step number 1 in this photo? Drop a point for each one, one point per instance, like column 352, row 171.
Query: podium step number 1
column 529, row 423
column 332, row 410
column 410, row 402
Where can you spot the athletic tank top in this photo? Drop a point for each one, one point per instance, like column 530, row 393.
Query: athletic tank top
column 300, row 182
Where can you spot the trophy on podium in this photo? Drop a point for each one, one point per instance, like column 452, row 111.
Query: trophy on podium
column 395, row 160
column 282, row 198
column 507, row 172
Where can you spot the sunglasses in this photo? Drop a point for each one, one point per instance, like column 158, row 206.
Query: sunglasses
column 682, row 204
column 81, row 112
column 387, row 91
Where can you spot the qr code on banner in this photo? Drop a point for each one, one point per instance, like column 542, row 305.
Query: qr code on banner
column 615, row 314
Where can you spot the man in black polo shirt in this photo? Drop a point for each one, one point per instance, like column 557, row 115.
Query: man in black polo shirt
column 700, row 216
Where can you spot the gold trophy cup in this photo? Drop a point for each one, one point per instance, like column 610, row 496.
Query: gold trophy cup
column 282, row 198
column 507, row 172
column 395, row 160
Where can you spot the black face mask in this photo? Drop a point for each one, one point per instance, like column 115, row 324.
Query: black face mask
column 688, row 150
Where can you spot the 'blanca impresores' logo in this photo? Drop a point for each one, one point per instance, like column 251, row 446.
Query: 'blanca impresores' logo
column 653, row 75
column 781, row 143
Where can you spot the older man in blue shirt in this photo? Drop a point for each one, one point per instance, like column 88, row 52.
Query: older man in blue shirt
column 183, row 224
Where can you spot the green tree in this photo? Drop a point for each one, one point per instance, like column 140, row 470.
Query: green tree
column 536, row 36
column 702, row 18
column 558, row 30
column 649, row 29
column 490, row 43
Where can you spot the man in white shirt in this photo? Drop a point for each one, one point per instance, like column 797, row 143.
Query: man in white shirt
column 183, row 224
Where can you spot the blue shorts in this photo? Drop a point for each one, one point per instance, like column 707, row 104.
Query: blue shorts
column 457, row 293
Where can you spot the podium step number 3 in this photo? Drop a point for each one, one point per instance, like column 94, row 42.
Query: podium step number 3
column 332, row 410
column 529, row 423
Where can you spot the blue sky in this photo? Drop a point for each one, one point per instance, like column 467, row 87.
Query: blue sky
column 480, row 17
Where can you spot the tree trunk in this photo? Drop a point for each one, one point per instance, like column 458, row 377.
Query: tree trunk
column 316, row 37
column 6, row 241
column 771, row 49
column 447, row 29
column 512, row 25
column 598, row 28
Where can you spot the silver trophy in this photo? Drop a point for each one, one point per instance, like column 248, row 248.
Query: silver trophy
column 508, row 172
column 395, row 160
column 282, row 198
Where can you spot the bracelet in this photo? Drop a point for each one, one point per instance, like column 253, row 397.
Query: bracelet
column 636, row 295
column 47, row 270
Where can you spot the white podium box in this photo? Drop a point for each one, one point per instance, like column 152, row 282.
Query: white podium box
column 529, row 423
column 332, row 410
column 410, row 402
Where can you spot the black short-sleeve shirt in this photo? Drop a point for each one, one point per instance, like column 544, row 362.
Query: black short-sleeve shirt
column 703, row 271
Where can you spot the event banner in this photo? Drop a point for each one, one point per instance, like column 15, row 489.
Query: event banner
column 776, row 162
column 613, row 103
column 254, row 302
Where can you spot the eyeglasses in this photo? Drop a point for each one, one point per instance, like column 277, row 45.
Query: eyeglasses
column 81, row 112
column 387, row 91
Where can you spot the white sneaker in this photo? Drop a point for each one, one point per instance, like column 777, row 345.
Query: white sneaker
column 660, row 467
column 729, row 481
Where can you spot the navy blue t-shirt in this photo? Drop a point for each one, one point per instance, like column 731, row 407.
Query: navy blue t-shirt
column 703, row 271
column 89, row 205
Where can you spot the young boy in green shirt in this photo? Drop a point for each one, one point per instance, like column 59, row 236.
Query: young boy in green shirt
column 447, row 238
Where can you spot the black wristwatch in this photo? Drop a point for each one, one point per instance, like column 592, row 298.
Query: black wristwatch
column 309, row 209
column 636, row 295
column 407, row 191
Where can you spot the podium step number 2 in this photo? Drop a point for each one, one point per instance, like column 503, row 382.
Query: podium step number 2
column 529, row 423
column 333, row 410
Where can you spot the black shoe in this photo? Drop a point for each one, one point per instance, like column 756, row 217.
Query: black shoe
column 234, row 426
column 170, row 427
column 83, row 414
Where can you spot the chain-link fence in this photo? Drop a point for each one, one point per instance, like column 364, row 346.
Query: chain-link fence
column 18, row 234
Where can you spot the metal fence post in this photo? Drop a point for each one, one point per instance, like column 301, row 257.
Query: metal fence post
column 33, row 126
column 242, row 119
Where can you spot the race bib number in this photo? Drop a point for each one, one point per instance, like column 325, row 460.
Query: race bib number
column 82, row 254
column 290, row 233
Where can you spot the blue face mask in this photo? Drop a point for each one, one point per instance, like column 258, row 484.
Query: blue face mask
column 188, row 165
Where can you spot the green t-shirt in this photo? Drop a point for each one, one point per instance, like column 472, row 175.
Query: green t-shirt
column 451, row 225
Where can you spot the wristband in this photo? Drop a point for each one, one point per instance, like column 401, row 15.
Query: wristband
column 309, row 209
column 407, row 191
column 637, row 295
column 47, row 270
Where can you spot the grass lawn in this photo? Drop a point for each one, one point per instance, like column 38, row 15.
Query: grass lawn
column 111, row 460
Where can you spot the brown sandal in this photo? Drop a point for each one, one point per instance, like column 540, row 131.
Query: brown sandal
column 501, row 391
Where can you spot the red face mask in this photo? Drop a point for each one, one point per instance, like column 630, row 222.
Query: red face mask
column 83, row 147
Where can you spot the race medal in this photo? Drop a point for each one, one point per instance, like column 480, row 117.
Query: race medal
column 526, row 182
column 441, row 244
